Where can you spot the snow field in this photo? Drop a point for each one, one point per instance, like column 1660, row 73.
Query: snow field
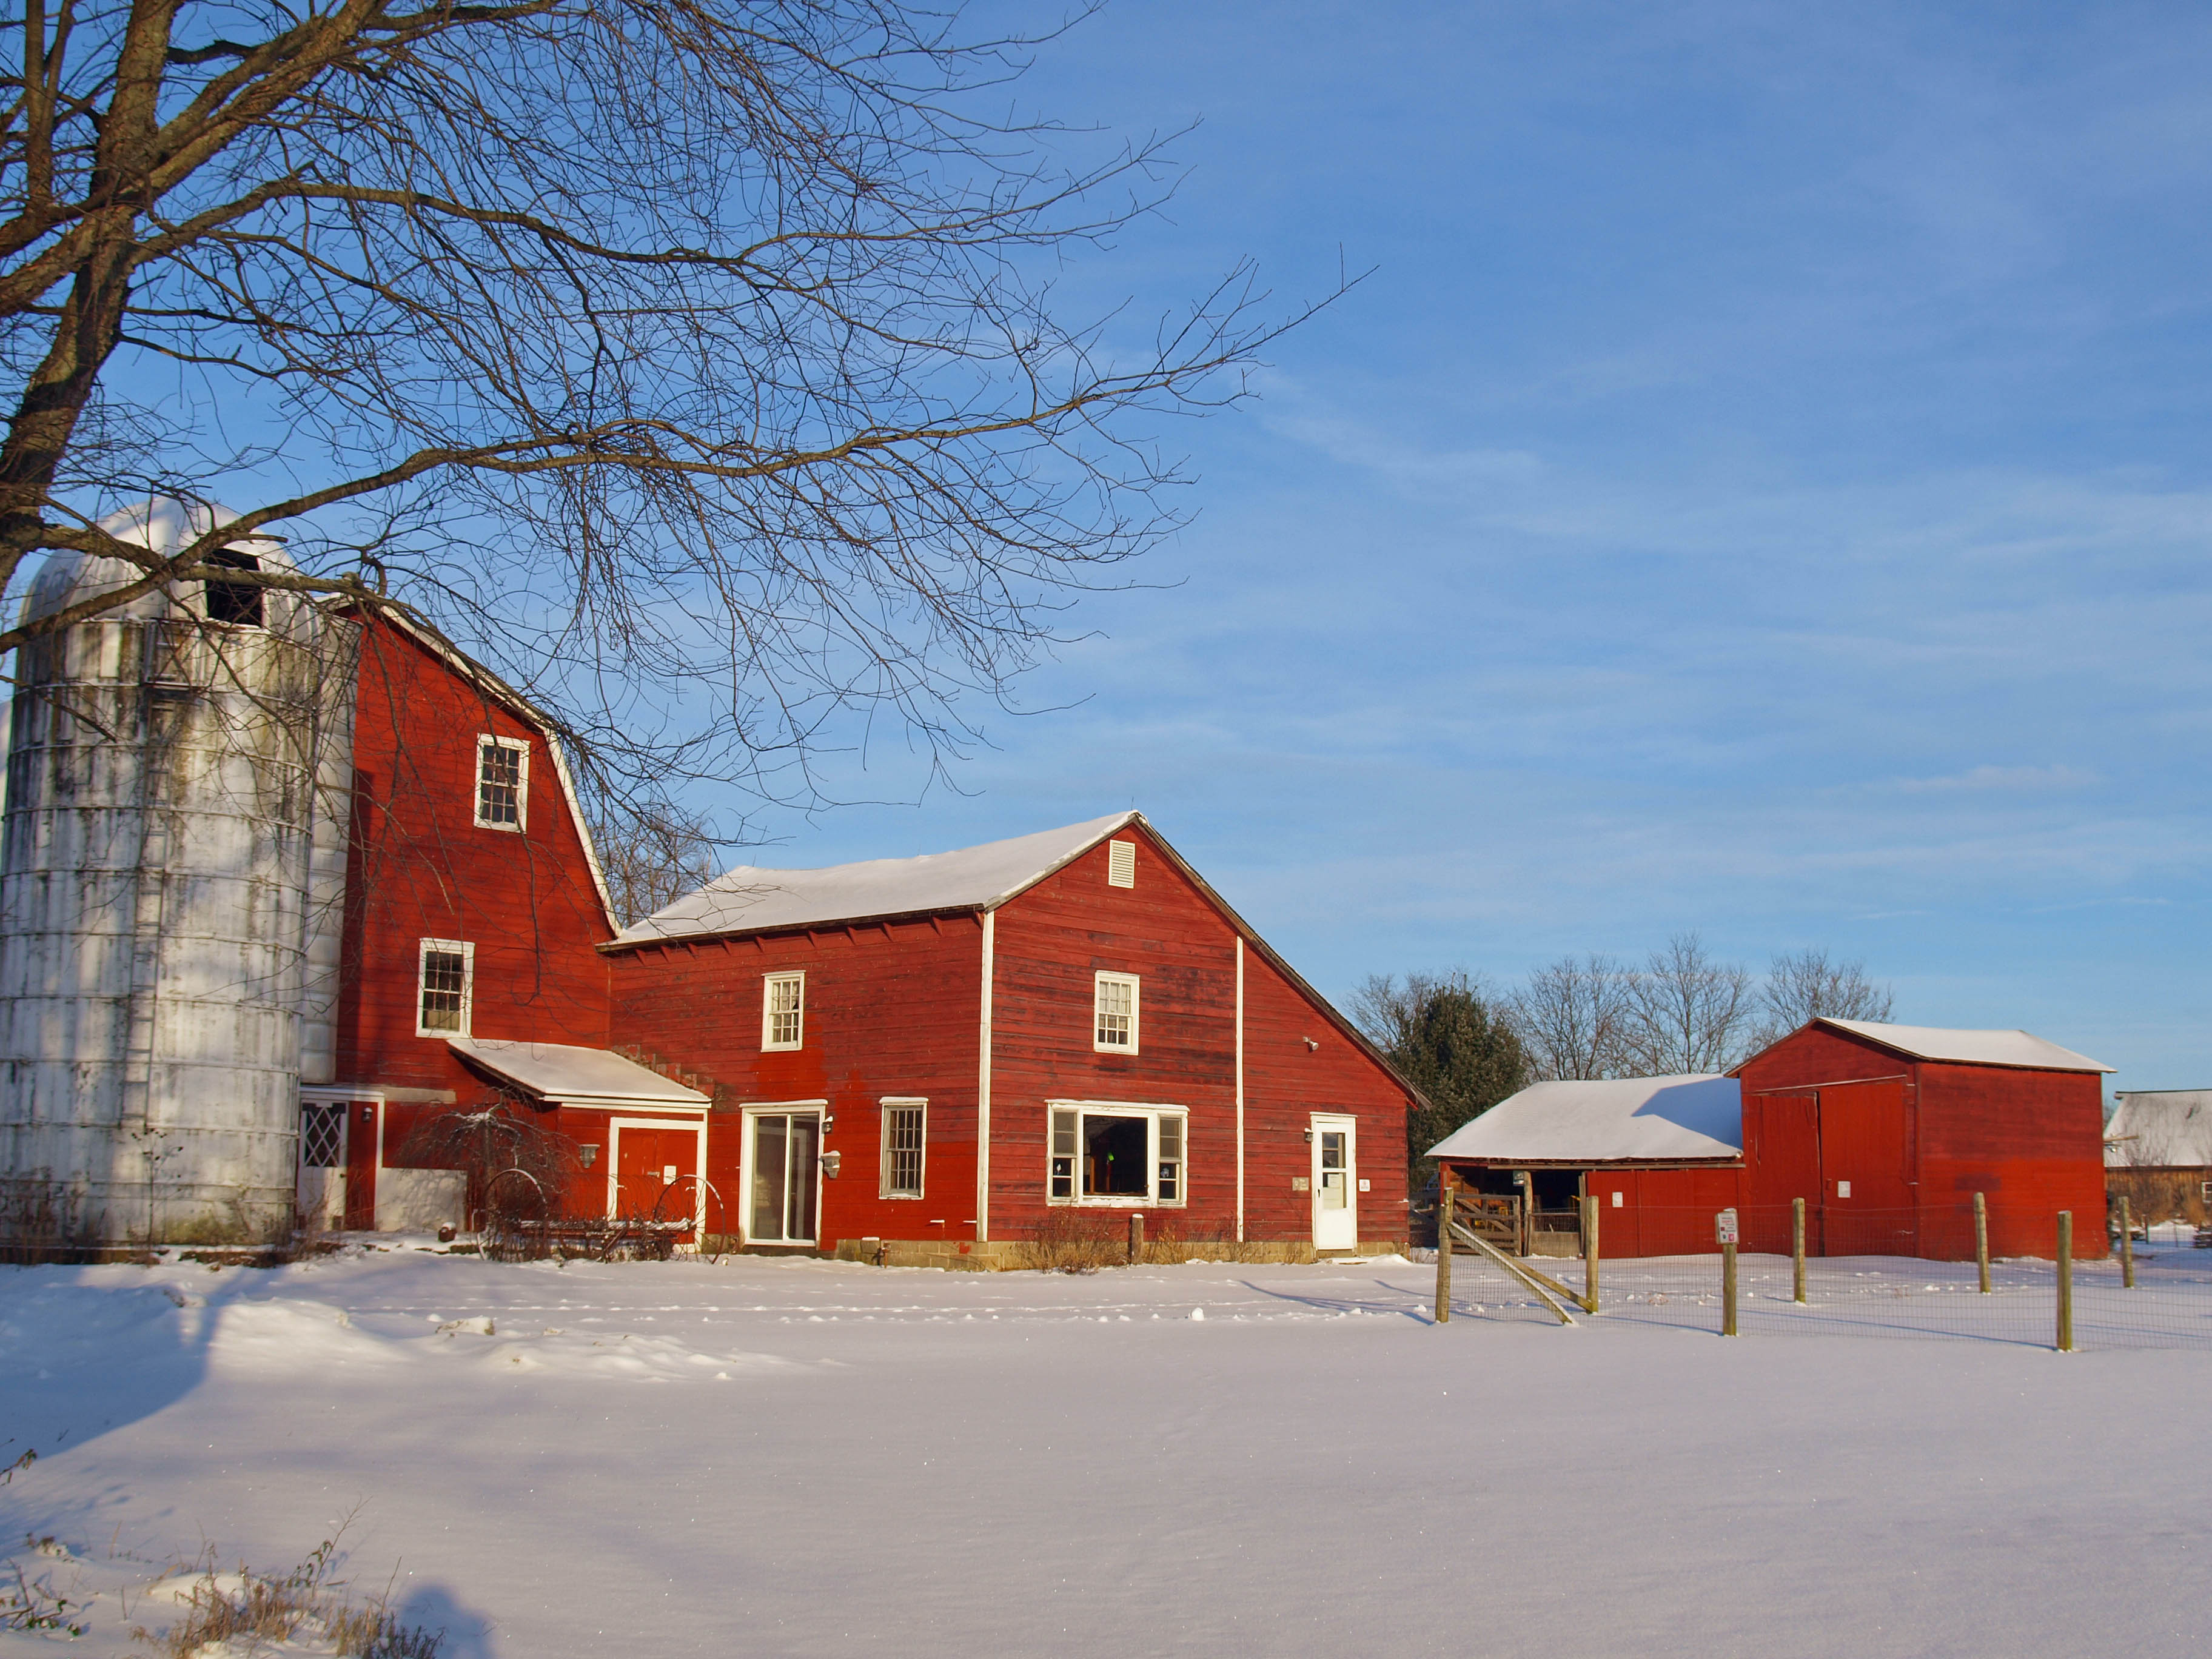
column 804, row 1458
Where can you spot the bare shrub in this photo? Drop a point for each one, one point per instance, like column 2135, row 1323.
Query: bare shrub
column 1180, row 1241
column 305, row 1603
column 518, row 1167
column 1072, row 1241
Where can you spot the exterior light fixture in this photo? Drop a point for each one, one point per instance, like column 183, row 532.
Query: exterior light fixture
column 589, row 1153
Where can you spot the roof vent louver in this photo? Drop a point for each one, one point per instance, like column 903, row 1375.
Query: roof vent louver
column 1121, row 864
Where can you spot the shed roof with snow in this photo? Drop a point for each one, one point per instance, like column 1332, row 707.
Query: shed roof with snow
column 1695, row 1118
column 749, row 899
column 576, row 1076
column 1969, row 1047
column 2160, row 1129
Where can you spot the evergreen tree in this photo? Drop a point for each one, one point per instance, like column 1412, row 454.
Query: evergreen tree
column 1452, row 1044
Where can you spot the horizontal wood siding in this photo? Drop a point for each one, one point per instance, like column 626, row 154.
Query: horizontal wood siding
column 1050, row 943
column 891, row 1009
column 420, row 868
column 2031, row 1140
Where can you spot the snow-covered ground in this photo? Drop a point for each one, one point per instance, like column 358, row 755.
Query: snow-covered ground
column 779, row 1457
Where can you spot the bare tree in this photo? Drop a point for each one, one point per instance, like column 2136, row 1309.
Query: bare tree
column 695, row 364
column 651, row 858
column 1806, row 985
column 1688, row 1012
column 1575, row 1019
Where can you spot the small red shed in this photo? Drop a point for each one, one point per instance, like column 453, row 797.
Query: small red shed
column 1885, row 1132
column 1888, row 1132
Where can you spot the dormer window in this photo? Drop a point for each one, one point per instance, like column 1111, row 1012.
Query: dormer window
column 237, row 603
column 502, row 783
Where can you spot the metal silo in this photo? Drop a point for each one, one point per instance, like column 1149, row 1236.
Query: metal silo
column 172, row 882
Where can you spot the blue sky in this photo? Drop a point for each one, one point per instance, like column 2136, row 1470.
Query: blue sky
column 1763, row 489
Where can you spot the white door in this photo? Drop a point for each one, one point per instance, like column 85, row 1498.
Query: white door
column 323, row 1163
column 782, row 1175
column 1335, row 1184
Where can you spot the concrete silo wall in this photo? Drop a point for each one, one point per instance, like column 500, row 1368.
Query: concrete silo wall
column 173, row 876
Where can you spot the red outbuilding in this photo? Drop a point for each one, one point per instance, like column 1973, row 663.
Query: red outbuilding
column 1887, row 1133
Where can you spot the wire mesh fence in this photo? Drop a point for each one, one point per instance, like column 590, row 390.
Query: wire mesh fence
column 1877, row 1292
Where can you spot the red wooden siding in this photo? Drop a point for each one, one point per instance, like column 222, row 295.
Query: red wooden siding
column 2032, row 1141
column 892, row 1010
column 420, row 868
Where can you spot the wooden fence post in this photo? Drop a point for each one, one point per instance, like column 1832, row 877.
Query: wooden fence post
column 1590, row 1254
column 2066, row 1281
column 1728, row 1290
column 1136, row 1239
column 1982, row 1240
column 1444, row 1254
column 2127, row 1246
column 1797, row 1249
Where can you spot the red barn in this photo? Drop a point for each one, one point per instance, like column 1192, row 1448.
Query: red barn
column 949, row 1051
column 1885, row 1132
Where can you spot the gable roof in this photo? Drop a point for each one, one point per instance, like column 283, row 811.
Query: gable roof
column 2013, row 1048
column 575, row 1076
column 752, row 900
column 1694, row 1117
column 2158, row 1129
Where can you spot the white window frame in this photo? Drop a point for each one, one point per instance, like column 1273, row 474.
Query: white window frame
column 1121, row 864
column 1099, row 981
column 1154, row 1114
column 521, row 746
column 467, row 953
column 888, row 1105
column 769, row 983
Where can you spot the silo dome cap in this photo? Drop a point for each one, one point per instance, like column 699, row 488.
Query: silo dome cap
column 161, row 525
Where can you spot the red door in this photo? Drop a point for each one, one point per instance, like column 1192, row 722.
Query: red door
column 1782, row 1137
column 1867, row 1171
column 656, row 1174
column 363, row 1130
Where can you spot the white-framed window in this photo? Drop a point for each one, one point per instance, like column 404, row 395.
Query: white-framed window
column 502, row 782
column 444, row 985
column 1121, row 864
column 783, row 1010
column 904, row 1123
column 1116, row 1152
column 1113, row 1014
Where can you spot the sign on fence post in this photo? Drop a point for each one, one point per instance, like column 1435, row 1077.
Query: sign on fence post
column 1724, row 1228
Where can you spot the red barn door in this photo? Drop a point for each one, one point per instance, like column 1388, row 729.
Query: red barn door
column 1783, row 1138
column 655, row 1173
column 1868, row 1158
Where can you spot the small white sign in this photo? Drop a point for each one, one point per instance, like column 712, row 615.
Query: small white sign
column 1619, row 1199
column 1363, row 1184
column 1724, row 1227
column 1301, row 1183
column 1843, row 1190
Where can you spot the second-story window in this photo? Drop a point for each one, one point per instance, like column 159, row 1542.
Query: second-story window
column 502, row 783
column 444, row 988
column 783, row 1010
column 1114, row 1014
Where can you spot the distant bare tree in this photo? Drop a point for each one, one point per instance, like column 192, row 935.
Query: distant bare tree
column 1689, row 1013
column 1575, row 1019
column 652, row 857
column 1806, row 985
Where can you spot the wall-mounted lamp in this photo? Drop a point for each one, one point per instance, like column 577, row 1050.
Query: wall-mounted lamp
column 1309, row 1137
column 589, row 1153
column 1312, row 1047
column 829, row 1122
column 830, row 1161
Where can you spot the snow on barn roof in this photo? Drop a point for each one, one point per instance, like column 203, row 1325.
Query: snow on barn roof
column 582, row 1076
column 2160, row 1128
column 1971, row 1048
column 1694, row 1117
column 751, row 900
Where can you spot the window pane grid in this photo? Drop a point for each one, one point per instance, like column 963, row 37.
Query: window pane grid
column 499, row 785
column 786, row 997
column 903, row 1152
column 1100, row 1155
column 1117, row 1008
column 322, row 1137
column 444, row 989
